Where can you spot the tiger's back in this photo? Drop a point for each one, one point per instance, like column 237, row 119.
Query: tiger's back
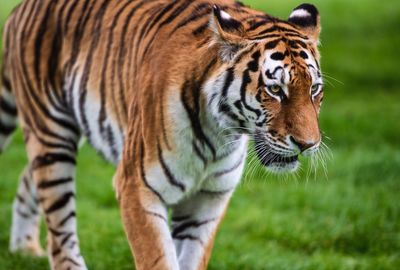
column 95, row 60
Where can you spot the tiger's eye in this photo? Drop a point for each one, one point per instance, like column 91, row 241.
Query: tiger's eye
column 275, row 89
column 315, row 88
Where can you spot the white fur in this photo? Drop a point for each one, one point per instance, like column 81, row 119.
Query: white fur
column 225, row 15
column 284, row 168
column 22, row 227
column 7, row 119
column 300, row 13
column 8, row 97
column 92, row 113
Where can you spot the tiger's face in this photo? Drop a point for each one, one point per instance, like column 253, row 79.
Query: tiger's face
column 272, row 88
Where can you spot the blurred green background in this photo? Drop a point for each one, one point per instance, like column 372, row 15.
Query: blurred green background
column 346, row 219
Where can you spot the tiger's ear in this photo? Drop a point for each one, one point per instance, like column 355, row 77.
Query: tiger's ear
column 229, row 33
column 306, row 17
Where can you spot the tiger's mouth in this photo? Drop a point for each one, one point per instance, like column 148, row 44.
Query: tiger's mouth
column 275, row 162
column 275, row 159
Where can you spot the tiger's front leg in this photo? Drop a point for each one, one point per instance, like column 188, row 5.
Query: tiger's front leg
column 145, row 220
column 195, row 222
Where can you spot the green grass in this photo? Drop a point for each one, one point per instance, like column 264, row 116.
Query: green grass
column 349, row 219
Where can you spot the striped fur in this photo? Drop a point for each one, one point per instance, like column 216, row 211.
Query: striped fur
column 170, row 91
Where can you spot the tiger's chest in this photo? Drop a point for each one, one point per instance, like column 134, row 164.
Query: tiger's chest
column 201, row 159
column 179, row 175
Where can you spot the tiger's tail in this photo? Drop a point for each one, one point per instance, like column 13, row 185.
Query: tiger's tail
column 8, row 109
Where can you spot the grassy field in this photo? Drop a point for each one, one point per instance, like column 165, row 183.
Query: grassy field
column 347, row 219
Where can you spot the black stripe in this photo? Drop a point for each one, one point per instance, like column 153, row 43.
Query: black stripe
column 258, row 24
column 277, row 56
column 272, row 44
column 216, row 193
column 303, row 55
column 55, row 232
column 20, row 199
column 70, row 12
column 72, row 244
column 69, row 94
column 179, row 218
column 189, row 237
column 6, row 83
column 26, row 183
column 227, row 110
column 31, row 208
column 171, row 178
column 22, row 214
column 30, row 17
column 238, row 105
column 66, row 259
column 6, row 129
column 194, row 87
column 199, row 153
column 45, row 184
column 236, row 137
column 193, row 114
column 199, row 12
column 143, row 174
column 230, row 76
column 190, row 224
column 244, row 53
column 168, row 20
column 268, row 30
column 71, row 146
column 68, row 217
column 180, row 9
column 155, row 20
column 55, row 252
column 233, row 168
column 156, row 215
column 66, row 238
column 51, row 159
column 8, row 108
column 111, row 142
column 157, row 260
column 200, row 30
column 60, row 203
column 266, row 36
column 271, row 75
column 285, row 30
column 251, row 66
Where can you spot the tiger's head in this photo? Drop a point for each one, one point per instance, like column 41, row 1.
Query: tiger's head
column 271, row 86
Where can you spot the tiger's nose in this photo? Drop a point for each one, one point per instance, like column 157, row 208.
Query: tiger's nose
column 302, row 145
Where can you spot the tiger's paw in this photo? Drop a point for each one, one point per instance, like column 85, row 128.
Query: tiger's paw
column 28, row 248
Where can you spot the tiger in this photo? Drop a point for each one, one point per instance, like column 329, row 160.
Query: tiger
column 171, row 92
